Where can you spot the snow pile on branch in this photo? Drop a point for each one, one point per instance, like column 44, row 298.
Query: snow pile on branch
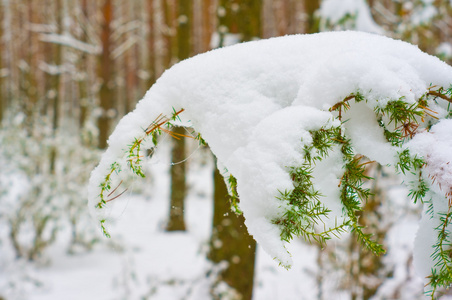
column 287, row 117
column 435, row 146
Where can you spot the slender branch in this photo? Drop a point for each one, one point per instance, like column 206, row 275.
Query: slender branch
column 438, row 94
column 114, row 189
column 339, row 104
column 117, row 196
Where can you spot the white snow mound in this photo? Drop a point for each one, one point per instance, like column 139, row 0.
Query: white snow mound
column 255, row 102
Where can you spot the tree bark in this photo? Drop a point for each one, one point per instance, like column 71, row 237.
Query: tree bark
column 231, row 242
column 27, row 77
column 82, row 84
column 184, row 22
column 170, row 45
column 178, row 183
column 105, row 69
column 151, row 42
column 54, row 83
column 311, row 6
column 2, row 46
column 176, row 219
column 206, row 24
column 249, row 19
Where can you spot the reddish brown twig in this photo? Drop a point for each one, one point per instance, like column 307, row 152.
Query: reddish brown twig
column 439, row 95
column 119, row 195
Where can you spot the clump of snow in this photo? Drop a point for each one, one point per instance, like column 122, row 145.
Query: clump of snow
column 426, row 237
column 337, row 11
column 254, row 103
column 367, row 138
column 435, row 146
column 275, row 152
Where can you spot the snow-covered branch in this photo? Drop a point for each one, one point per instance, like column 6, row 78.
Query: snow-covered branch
column 70, row 41
column 290, row 118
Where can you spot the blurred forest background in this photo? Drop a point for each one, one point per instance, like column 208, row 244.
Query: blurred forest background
column 70, row 69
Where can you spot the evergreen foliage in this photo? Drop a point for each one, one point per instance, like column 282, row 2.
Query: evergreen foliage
column 134, row 154
column 304, row 211
column 234, row 197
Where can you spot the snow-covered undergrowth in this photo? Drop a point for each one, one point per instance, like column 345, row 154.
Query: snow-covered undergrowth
column 291, row 118
column 39, row 192
column 143, row 261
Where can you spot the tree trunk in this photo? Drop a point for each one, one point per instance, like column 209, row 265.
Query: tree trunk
column 178, row 185
column 82, row 83
column 231, row 242
column 311, row 6
column 151, row 42
column 131, row 58
column 54, row 83
column 105, row 73
column 27, row 77
column 249, row 19
column 206, row 24
column 168, row 29
column 184, row 22
column 2, row 46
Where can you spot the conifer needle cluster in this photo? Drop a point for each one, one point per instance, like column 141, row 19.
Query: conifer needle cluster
column 304, row 210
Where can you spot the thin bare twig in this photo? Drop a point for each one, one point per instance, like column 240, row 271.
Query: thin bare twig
column 114, row 189
column 116, row 196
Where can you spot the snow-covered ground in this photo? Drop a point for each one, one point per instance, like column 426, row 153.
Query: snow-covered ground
column 142, row 261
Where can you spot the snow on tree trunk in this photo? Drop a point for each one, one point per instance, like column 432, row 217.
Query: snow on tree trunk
column 288, row 117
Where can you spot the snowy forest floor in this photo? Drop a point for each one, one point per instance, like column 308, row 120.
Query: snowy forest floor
column 142, row 261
